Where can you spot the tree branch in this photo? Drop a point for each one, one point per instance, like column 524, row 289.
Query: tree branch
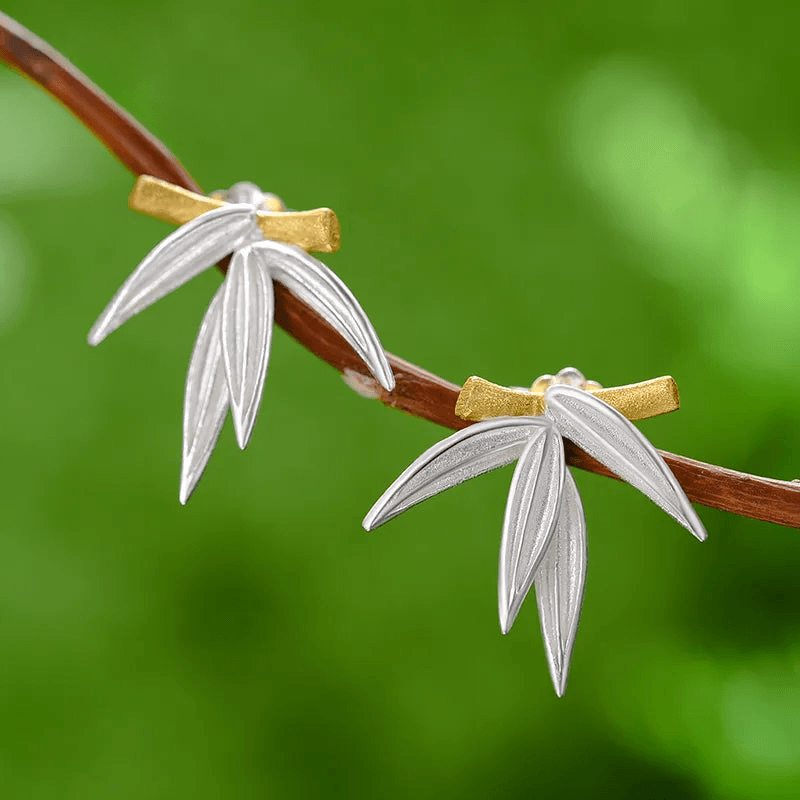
column 417, row 392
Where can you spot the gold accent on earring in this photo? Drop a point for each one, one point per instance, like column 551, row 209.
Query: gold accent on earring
column 316, row 230
column 481, row 399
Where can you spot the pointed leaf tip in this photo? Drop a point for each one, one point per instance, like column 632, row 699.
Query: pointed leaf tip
column 614, row 441
column 560, row 582
column 248, row 310
column 184, row 254
column 324, row 292
column 206, row 399
column 531, row 513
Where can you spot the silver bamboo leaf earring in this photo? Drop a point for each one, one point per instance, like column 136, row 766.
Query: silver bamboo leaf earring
column 544, row 530
column 230, row 358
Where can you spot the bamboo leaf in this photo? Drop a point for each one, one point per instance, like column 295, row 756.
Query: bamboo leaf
column 559, row 583
column 248, row 310
column 530, row 519
column 614, row 441
column 206, row 398
column 479, row 448
column 323, row 291
column 183, row 255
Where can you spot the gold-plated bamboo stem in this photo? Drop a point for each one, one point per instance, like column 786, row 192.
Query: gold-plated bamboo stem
column 481, row 399
column 316, row 230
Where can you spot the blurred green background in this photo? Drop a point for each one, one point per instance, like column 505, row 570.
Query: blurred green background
column 521, row 187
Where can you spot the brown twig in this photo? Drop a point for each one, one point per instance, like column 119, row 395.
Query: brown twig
column 417, row 392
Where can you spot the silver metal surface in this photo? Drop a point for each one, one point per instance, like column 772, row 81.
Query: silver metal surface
column 248, row 310
column 183, row 255
column 479, row 448
column 206, row 398
column 230, row 359
column 322, row 290
column 244, row 192
column 544, row 530
column 559, row 584
column 530, row 519
column 247, row 192
column 618, row 444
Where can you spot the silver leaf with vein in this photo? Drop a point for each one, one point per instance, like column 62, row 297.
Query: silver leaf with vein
column 544, row 530
column 231, row 354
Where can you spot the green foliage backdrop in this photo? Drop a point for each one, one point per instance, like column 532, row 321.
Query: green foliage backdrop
column 521, row 186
